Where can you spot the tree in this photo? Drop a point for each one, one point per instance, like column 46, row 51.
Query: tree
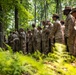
column 1, row 27
column 28, row 11
column 16, row 18
column 45, row 8
column 35, row 10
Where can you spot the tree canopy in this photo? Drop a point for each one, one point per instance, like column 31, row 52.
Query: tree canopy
column 31, row 11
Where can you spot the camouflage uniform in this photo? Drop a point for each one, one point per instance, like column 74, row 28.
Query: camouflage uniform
column 67, row 21
column 15, row 42
column 34, row 32
column 45, row 40
column 22, row 37
column 70, row 34
column 50, row 40
column 38, row 40
column 30, row 42
column 75, row 39
column 66, row 12
column 56, row 32
column 66, row 30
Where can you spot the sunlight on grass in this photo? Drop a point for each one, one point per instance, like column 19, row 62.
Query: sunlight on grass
column 57, row 63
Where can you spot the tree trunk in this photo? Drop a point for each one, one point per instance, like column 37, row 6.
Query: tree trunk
column 35, row 11
column 1, row 27
column 45, row 9
column 19, row 19
column 60, row 10
column 41, row 15
column 16, row 18
column 57, row 6
column 21, row 1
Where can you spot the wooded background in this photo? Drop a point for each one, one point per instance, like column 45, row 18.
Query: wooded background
column 15, row 14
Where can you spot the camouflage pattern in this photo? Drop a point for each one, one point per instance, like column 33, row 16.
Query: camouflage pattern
column 75, row 38
column 38, row 40
column 22, row 37
column 45, row 40
column 66, row 30
column 71, row 35
column 30, row 42
column 56, row 32
column 67, row 22
column 34, row 32
column 50, row 40
column 15, row 42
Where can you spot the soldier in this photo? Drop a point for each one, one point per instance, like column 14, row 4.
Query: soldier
column 66, row 12
column 34, row 32
column 50, row 40
column 45, row 39
column 30, row 46
column 73, row 12
column 22, row 37
column 72, row 33
column 56, row 30
column 15, row 42
column 38, row 39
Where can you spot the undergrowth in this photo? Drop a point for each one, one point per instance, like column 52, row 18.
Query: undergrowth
column 59, row 62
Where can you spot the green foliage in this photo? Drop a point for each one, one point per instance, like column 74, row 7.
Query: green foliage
column 62, row 62
column 8, row 9
column 26, row 11
column 38, row 56
column 57, row 63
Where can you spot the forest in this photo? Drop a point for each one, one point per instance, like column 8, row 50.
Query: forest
column 16, row 14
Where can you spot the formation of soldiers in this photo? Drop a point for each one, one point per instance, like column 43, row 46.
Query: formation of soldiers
column 43, row 39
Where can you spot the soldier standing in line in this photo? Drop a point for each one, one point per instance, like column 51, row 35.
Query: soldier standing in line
column 34, row 32
column 22, row 37
column 15, row 42
column 38, row 39
column 50, row 40
column 74, row 29
column 45, row 39
column 66, row 12
column 30, row 41
column 69, row 25
column 56, row 30
column 72, row 33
